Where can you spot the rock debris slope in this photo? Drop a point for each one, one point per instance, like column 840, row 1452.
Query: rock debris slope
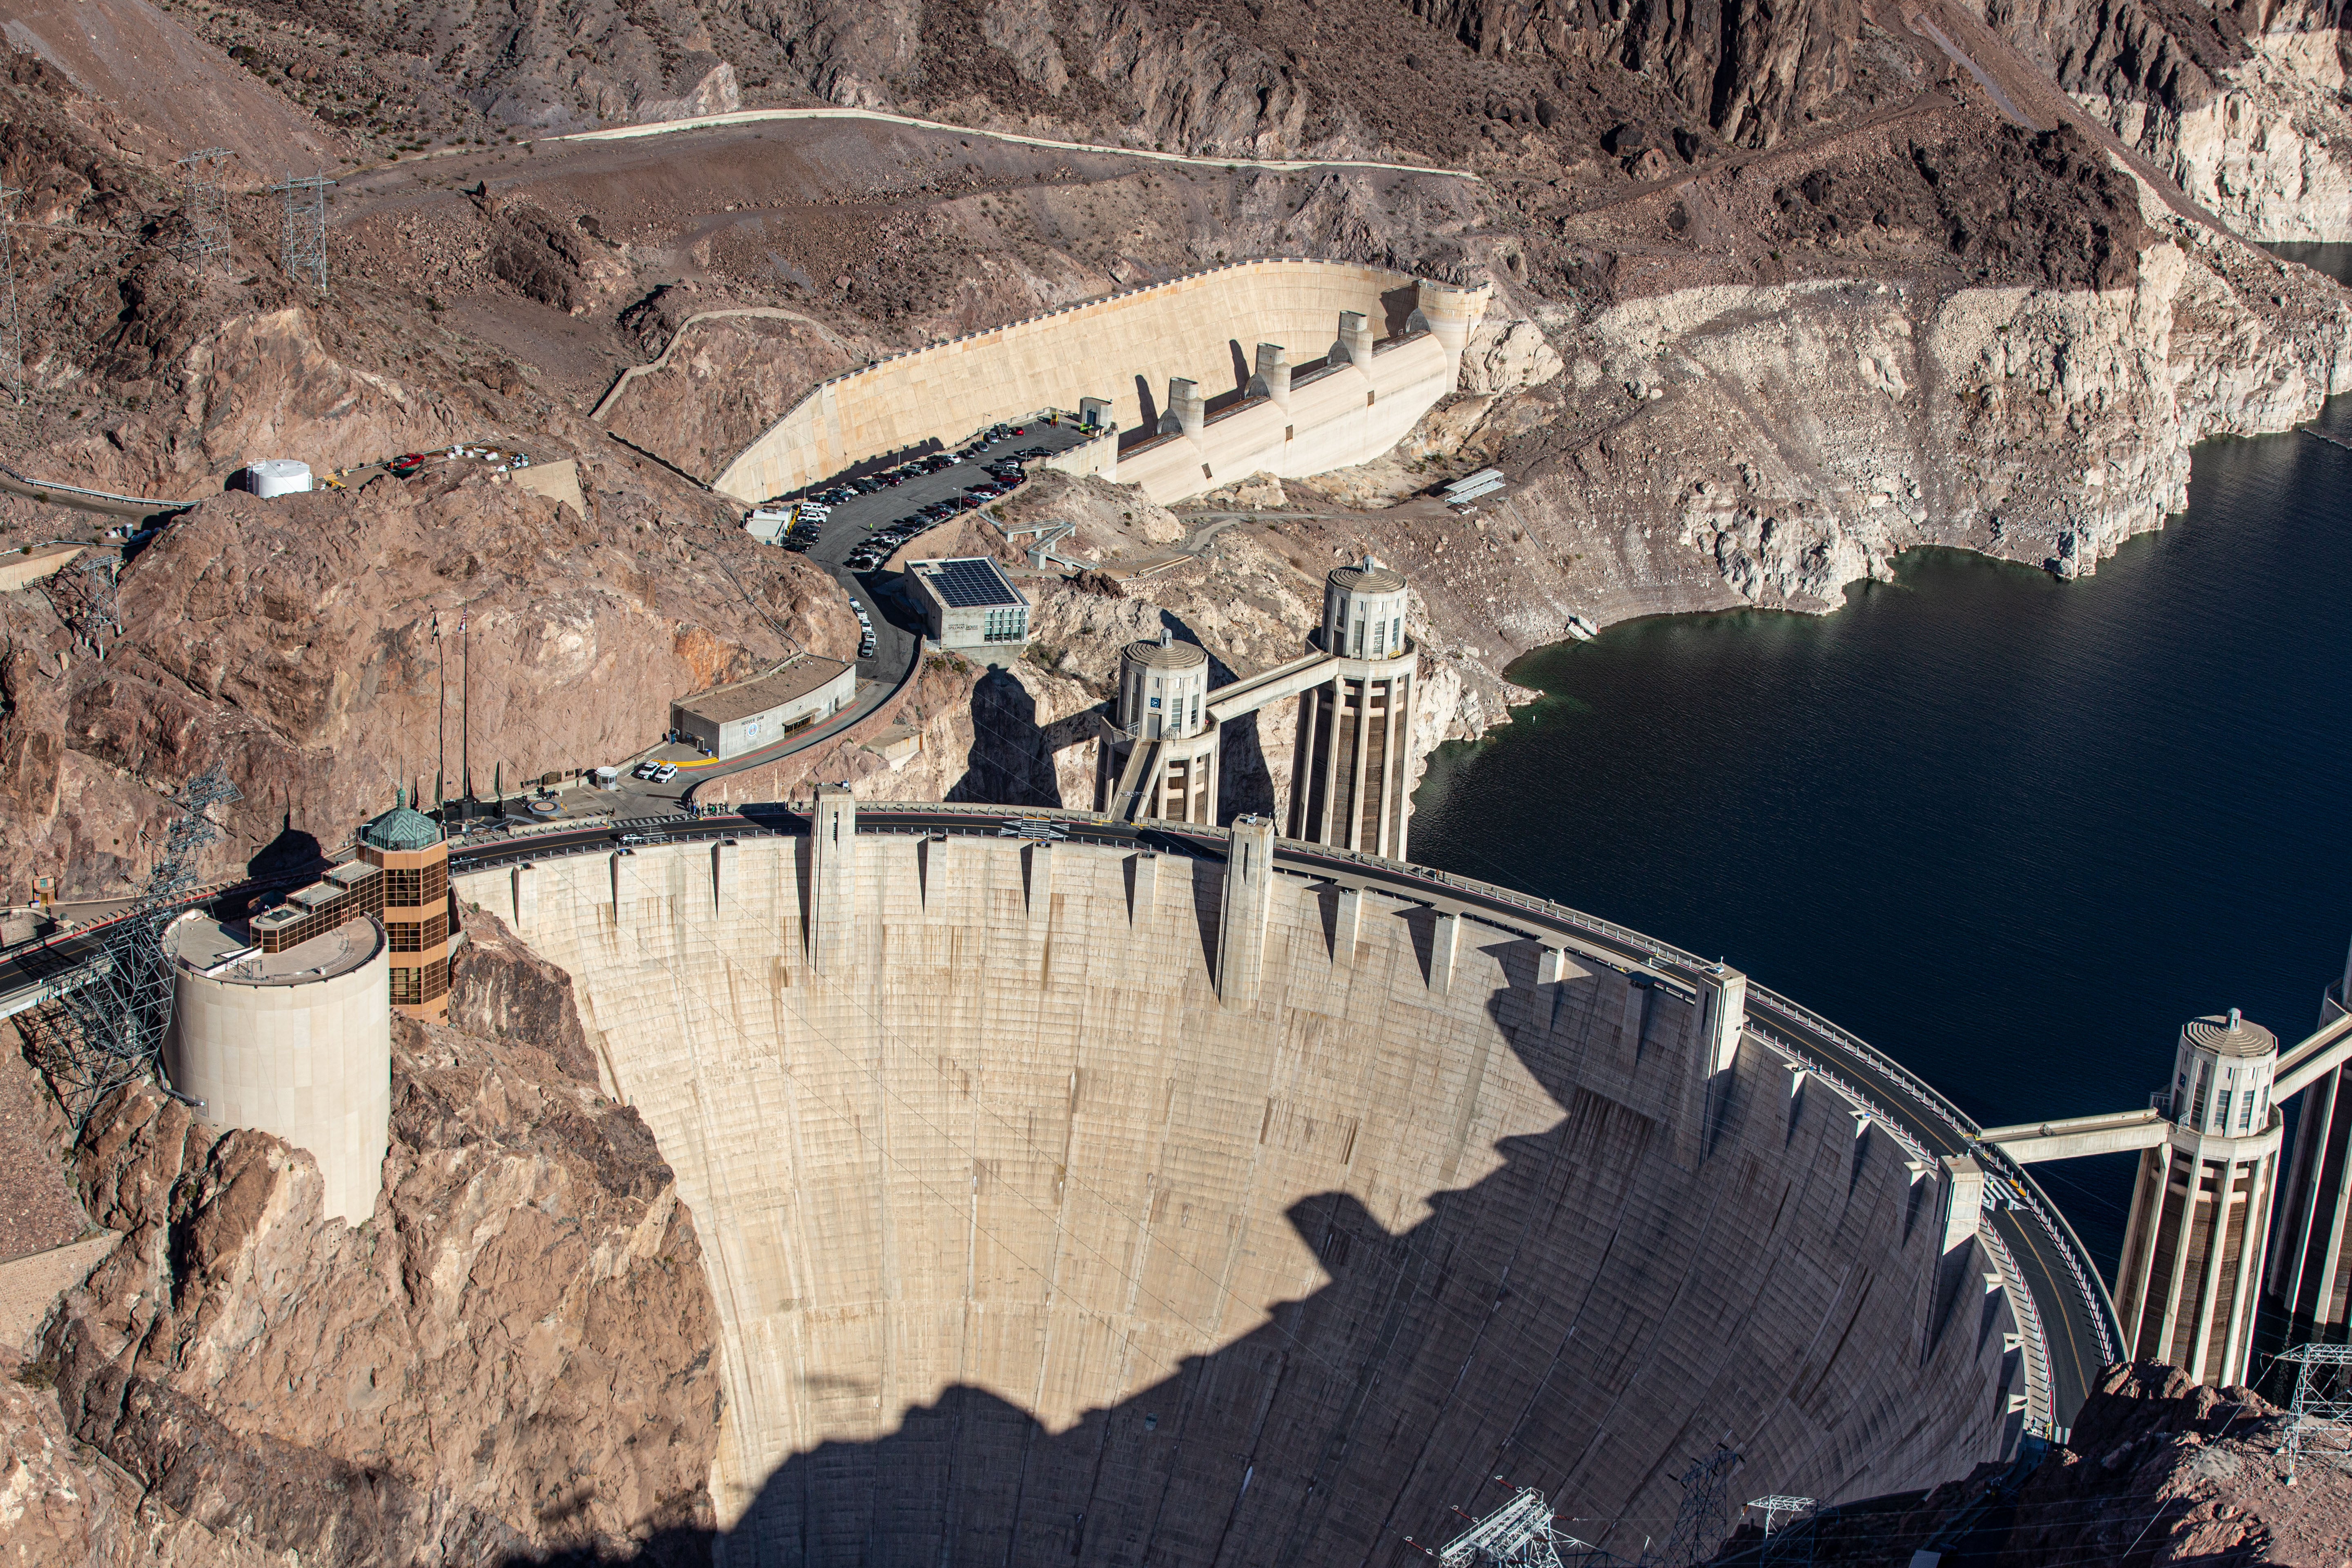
column 511, row 1357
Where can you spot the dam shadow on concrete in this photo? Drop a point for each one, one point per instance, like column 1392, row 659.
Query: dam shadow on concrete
column 1432, row 1358
column 948, row 1485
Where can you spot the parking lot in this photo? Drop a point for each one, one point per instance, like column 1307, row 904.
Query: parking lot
column 848, row 532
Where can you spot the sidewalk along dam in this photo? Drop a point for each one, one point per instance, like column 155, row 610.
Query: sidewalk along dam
column 1082, row 1191
column 1284, row 366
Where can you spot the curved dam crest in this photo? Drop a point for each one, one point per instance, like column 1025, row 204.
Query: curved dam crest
column 1030, row 1245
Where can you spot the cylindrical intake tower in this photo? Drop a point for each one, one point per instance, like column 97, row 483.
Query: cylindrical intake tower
column 1163, row 761
column 1352, row 772
column 2193, row 1254
column 297, row 1043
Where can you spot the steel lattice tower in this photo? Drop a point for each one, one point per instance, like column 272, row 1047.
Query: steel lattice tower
column 110, row 1009
column 1703, row 1520
column 1516, row 1535
column 205, row 205
column 305, row 242
column 2323, row 1396
column 1793, row 1543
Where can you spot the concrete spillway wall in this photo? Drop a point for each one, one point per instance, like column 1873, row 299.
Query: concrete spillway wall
column 1029, row 1247
column 1127, row 348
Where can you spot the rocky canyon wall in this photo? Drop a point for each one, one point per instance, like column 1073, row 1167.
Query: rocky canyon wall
column 510, row 1359
column 2241, row 105
column 310, row 646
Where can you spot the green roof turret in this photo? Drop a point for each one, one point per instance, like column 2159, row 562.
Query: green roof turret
column 401, row 827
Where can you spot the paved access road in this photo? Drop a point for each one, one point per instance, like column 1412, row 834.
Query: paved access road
column 2072, row 1304
column 897, row 630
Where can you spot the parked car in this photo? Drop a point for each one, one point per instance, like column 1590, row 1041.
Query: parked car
column 643, row 770
column 665, row 772
column 865, row 649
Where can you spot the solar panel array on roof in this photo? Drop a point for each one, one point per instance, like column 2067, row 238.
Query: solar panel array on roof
column 972, row 585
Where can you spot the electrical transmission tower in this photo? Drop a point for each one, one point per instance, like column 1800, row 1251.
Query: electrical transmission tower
column 1704, row 1518
column 110, row 998
column 2323, row 1396
column 305, row 243
column 85, row 600
column 13, row 326
column 1793, row 1545
column 1516, row 1535
column 205, row 205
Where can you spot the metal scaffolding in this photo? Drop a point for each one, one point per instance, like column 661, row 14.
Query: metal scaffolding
column 107, row 1006
column 203, row 204
column 2322, row 1401
column 305, row 242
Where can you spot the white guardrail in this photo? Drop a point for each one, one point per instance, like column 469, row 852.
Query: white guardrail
column 2040, row 1416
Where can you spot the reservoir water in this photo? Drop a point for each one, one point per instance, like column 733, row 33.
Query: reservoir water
column 2015, row 831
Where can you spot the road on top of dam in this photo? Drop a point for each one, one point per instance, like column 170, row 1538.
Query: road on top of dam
column 2077, row 1320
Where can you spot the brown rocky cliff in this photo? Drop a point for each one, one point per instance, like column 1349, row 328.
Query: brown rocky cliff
column 293, row 642
column 2158, row 1469
column 513, row 1356
column 503, row 990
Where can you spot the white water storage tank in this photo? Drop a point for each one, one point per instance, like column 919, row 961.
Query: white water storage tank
column 278, row 477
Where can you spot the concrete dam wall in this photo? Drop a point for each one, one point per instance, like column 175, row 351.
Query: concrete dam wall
column 1030, row 1246
column 1130, row 351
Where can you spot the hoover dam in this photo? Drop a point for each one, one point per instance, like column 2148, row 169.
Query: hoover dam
column 1073, row 1190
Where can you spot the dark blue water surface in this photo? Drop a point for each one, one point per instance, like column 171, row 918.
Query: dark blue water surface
column 2013, row 830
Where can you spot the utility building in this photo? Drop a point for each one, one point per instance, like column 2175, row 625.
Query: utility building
column 729, row 721
column 970, row 604
column 402, row 878
column 406, row 846
column 2201, row 1211
column 283, row 1022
